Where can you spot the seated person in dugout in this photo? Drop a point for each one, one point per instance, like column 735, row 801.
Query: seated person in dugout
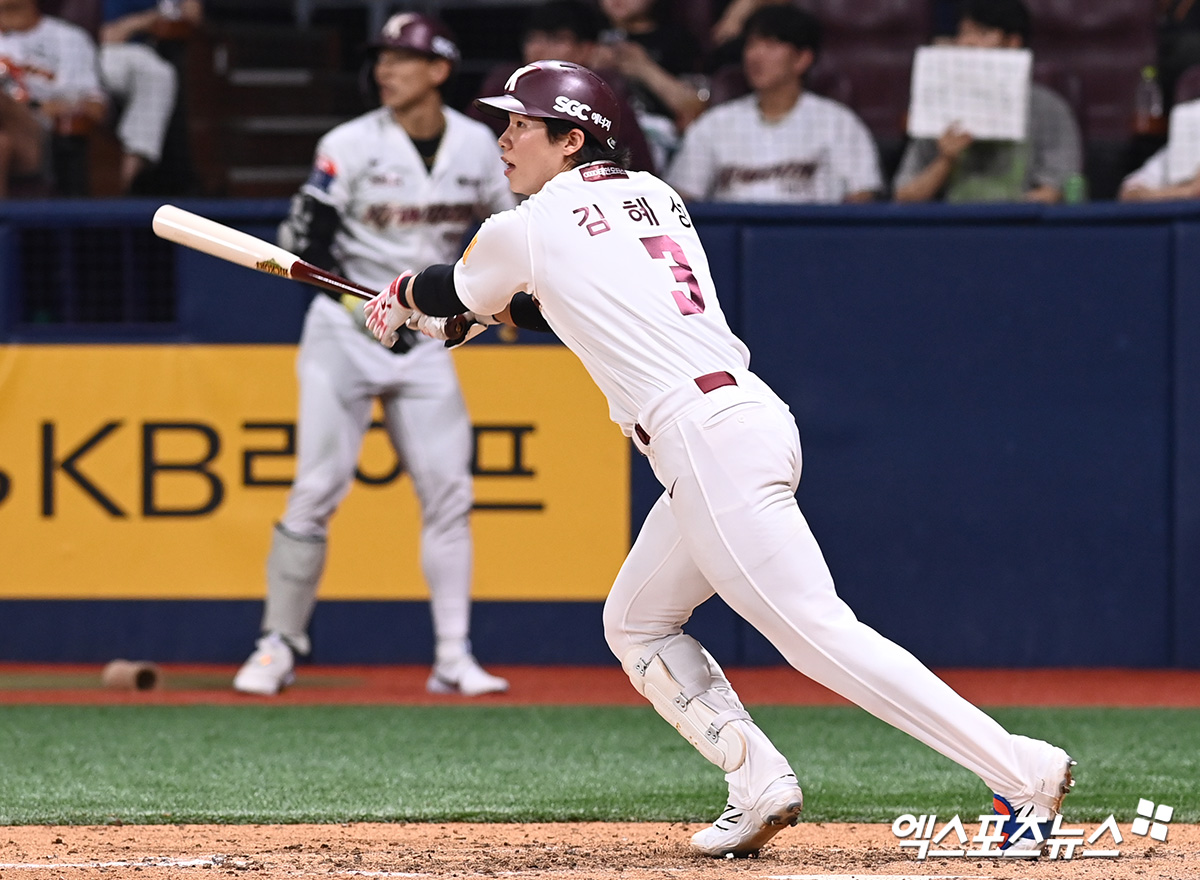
column 780, row 143
column 957, row 168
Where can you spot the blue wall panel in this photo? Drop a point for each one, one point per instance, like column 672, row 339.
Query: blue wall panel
column 1000, row 408
column 985, row 424
column 1186, row 558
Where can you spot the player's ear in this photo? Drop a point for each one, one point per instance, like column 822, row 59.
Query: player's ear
column 441, row 71
column 805, row 59
column 573, row 142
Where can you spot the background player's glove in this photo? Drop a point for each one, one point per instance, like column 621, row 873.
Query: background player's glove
column 453, row 331
column 385, row 314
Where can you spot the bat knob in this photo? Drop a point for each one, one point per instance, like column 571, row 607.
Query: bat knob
column 456, row 328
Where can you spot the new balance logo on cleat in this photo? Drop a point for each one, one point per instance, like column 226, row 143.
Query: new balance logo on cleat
column 742, row 833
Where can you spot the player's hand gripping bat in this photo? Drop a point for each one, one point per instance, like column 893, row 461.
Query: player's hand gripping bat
column 218, row 240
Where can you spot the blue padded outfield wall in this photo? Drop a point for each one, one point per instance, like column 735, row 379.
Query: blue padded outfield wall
column 1000, row 412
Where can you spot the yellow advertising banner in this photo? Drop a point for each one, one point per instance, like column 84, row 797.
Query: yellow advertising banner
column 150, row 471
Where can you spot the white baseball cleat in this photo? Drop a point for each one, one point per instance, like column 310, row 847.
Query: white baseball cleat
column 1054, row 783
column 269, row 669
column 742, row 833
column 466, row 677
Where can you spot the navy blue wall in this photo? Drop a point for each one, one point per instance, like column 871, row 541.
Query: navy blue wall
column 1000, row 417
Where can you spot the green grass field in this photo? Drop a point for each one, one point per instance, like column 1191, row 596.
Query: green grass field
column 237, row 764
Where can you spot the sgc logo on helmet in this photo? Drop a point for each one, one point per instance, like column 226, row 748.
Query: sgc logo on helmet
column 560, row 90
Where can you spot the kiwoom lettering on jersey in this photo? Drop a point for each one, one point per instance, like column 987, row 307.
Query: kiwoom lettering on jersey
column 381, row 216
column 605, row 171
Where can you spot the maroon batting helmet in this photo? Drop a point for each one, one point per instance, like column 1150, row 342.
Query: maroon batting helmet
column 560, row 90
column 418, row 33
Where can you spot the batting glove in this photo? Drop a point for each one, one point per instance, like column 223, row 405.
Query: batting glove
column 452, row 331
column 386, row 314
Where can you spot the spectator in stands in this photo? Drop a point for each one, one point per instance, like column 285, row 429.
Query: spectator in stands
column 48, row 84
column 781, row 143
column 662, row 65
column 143, row 82
column 566, row 30
column 957, row 168
column 1178, row 41
column 1151, row 182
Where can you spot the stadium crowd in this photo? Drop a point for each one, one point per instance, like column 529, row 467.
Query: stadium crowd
column 800, row 101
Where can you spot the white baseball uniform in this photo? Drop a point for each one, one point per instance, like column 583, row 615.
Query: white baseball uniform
column 622, row 278
column 819, row 153
column 393, row 213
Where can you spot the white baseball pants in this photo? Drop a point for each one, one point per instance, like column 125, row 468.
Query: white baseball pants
column 341, row 372
column 729, row 524
column 147, row 84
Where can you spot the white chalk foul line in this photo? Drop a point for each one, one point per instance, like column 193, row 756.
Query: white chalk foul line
column 166, row 862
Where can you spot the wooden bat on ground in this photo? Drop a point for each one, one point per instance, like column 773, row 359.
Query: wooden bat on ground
column 218, row 240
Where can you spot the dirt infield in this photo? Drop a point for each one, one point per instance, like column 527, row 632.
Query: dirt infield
column 596, row 851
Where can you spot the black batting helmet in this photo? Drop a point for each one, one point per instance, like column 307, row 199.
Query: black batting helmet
column 560, row 90
column 418, row 33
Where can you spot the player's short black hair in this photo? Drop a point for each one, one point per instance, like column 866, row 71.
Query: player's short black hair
column 1010, row 16
column 592, row 150
column 786, row 23
column 579, row 18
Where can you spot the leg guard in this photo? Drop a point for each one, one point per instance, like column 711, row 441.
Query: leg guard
column 294, row 568
column 688, row 689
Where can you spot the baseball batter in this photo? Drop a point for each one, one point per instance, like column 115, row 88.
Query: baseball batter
column 610, row 261
column 399, row 186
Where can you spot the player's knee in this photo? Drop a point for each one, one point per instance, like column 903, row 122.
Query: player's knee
column 446, row 501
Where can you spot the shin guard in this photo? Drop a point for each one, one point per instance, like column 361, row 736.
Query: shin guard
column 688, row 689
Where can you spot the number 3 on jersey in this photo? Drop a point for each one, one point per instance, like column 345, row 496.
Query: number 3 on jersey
column 663, row 247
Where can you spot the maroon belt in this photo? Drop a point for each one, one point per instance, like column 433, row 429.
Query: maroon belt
column 706, row 383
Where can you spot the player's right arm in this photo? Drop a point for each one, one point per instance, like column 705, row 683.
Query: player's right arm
column 489, row 283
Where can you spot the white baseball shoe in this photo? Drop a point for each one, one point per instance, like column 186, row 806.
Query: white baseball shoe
column 466, row 677
column 269, row 669
column 743, row 833
column 1054, row 783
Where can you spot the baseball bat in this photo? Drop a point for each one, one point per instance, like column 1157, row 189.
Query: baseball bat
column 218, row 240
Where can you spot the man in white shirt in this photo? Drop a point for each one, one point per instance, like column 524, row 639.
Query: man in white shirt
column 780, row 143
column 48, row 79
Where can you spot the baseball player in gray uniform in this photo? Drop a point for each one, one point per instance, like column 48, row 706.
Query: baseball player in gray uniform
column 610, row 261
column 399, row 186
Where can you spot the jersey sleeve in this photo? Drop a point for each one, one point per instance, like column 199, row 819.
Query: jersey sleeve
column 329, row 180
column 860, row 159
column 495, row 265
column 693, row 170
column 78, row 76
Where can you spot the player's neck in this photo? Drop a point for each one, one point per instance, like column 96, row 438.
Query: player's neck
column 423, row 120
column 776, row 102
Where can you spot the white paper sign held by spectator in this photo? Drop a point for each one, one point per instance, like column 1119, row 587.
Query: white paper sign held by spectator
column 984, row 91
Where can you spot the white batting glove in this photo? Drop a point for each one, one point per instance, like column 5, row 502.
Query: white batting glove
column 452, row 331
column 386, row 314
